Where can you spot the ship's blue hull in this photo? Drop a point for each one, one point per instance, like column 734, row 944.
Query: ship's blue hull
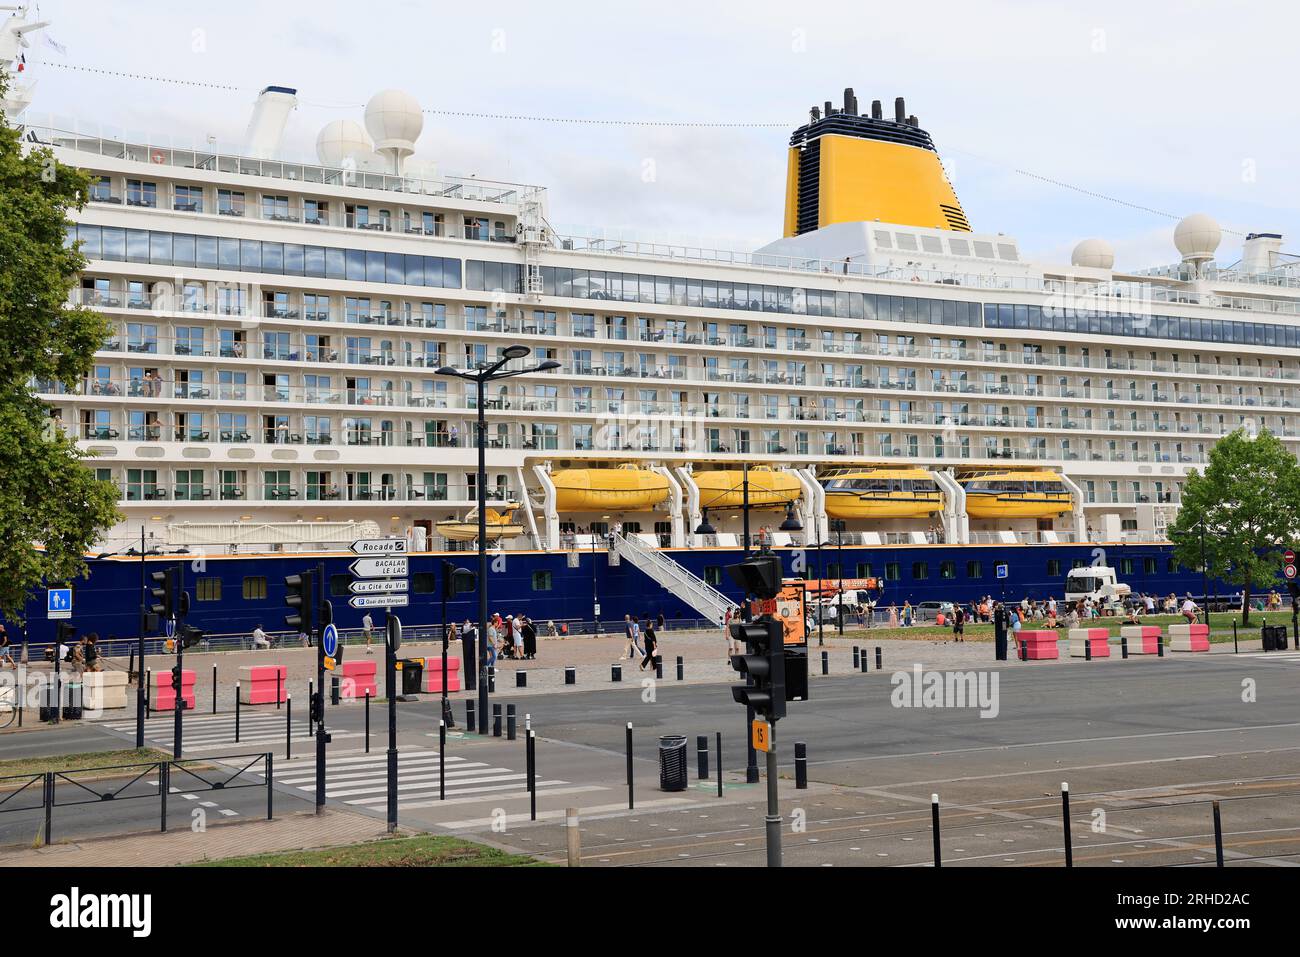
column 108, row 601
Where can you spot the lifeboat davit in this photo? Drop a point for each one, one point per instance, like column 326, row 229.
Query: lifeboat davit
column 1010, row 494
column 768, row 488
column 499, row 525
column 626, row 488
column 881, row 493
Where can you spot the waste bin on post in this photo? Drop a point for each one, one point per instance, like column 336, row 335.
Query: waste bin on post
column 412, row 675
column 672, row 762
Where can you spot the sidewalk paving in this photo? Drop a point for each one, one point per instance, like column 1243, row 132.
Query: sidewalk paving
column 291, row 832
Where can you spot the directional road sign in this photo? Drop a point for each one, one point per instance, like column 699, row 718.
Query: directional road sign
column 329, row 641
column 378, row 586
column 380, row 546
column 380, row 567
column 379, row 601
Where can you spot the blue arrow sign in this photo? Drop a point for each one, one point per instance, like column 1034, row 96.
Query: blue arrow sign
column 329, row 641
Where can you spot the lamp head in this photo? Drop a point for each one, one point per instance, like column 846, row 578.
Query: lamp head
column 515, row 352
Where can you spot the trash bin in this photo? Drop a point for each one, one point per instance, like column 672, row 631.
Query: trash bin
column 412, row 675
column 672, row 762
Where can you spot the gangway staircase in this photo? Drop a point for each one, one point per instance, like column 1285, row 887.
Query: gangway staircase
column 677, row 580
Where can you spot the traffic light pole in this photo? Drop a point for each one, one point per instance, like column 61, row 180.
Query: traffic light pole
column 751, row 756
column 178, row 674
column 390, row 688
column 321, row 737
column 773, row 804
column 140, row 672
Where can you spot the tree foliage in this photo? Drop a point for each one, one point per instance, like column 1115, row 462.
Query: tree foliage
column 1248, row 504
column 52, row 508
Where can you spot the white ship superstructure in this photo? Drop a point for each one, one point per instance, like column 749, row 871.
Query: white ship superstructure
column 278, row 327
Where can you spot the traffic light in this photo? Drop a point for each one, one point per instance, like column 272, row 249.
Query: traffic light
column 326, row 615
column 189, row 636
column 299, row 598
column 65, row 633
column 457, row 581
column 317, row 707
column 764, row 664
column 179, row 689
column 163, row 591
column 759, row 576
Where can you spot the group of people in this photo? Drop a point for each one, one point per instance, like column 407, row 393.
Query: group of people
column 642, row 640
column 512, row 636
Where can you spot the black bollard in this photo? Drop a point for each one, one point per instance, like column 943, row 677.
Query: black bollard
column 510, row 722
column 492, row 680
column 277, row 688
column 496, row 720
column 311, row 696
column 659, row 667
column 864, row 663
column 1065, row 819
column 702, row 755
column 288, row 726
column 719, row 763
column 334, row 690
column 878, row 665
column 367, row 721
column 570, row 676
column 800, row 765
column 631, row 803
column 1123, row 646
column 214, row 689
column 1087, row 649
column 470, row 724
column 681, row 669
column 521, row 679
column 148, row 685
column 530, row 755
column 856, row 663
column 236, row 712
column 442, row 760
column 1234, row 636
column 934, row 826
column 1218, row 837
column 615, row 672
column 1160, row 647
column 826, row 662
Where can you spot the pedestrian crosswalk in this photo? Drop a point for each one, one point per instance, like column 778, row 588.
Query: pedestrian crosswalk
column 362, row 780
column 216, row 732
column 1278, row 657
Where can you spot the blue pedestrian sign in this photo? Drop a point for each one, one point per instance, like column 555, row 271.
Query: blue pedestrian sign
column 58, row 603
column 329, row 641
column 1002, row 570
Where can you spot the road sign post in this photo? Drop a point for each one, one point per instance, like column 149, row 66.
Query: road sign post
column 58, row 603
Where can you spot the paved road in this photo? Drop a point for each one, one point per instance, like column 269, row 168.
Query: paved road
column 1143, row 743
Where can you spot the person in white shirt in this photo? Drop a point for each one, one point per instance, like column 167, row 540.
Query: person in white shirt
column 367, row 628
column 259, row 639
column 1189, row 609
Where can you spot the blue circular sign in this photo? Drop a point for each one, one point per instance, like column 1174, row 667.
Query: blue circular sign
column 170, row 627
column 329, row 640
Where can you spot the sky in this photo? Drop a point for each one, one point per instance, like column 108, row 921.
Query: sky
column 1175, row 107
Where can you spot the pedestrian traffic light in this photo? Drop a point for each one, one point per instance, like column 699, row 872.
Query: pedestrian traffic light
column 179, row 689
column 326, row 613
column 189, row 636
column 299, row 599
column 163, row 591
column 457, row 581
column 764, row 664
column 317, row 707
column 65, row 633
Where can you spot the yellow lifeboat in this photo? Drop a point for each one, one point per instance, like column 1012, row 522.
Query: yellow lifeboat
column 881, row 493
column 499, row 525
column 768, row 488
column 626, row 488
column 1010, row 494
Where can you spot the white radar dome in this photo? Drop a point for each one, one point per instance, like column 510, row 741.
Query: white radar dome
column 394, row 120
column 1094, row 254
column 1197, row 237
column 340, row 141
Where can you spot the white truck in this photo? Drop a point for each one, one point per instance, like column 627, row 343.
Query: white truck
column 1098, row 582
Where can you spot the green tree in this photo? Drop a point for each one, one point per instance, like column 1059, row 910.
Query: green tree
column 1248, row 505
column 52, row 508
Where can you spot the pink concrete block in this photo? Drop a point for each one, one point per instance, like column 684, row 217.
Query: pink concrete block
column 1040, row 645
column 1189, row 638
column 162, row 697
column 1142, row 639
column 433, row 674
column 358, row 678
column 1089, row 641
column 259, row 684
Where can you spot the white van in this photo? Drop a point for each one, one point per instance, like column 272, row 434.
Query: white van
column 1098, row 582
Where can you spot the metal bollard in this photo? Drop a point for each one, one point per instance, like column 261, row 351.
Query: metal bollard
column 572, row 837
column 148, row 683
column 570, row 676
column 1065, row 819
column 702, row 756
column 1160, row 647
column 719, row 764
column 288, row 726
column 521, row 679
column 334, row 690
column 659, row 667
column 492, row 679
column 278, row 689
column 826, row 662
column 631, row 803
column 442, row 760
column 311, row 696
column 510, row 722
column 856, row 663
column 681, row 669
column 615, row 672
column 531, row 756
column 878, row 658
column 1123, row 646
column 864, row 663
column 236, row 712
column 367, row 721
column 470, row 724
column 1087, row 649
column 214, row 689
column 1218, row 837
column 800, row 765
column 934, row 824
column 1234, row 636
column 496, row 720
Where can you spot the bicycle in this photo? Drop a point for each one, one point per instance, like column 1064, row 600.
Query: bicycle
column 8, row 704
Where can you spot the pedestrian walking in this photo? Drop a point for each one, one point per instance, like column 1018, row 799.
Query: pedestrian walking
column 651, row 644
column 958, row 623
column 530, row 639
column 6, row 649
column 632, row 631
column 368, row 630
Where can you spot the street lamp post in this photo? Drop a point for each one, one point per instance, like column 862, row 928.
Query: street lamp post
column 481, row 377
column 1205, row 575
column 839, row 568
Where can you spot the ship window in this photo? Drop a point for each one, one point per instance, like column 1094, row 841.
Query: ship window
column 712, row 575
column 1007, row 251
column 947, row 569
column 864, row 570
column 254, row 587
column 541, row 581
column 423, row 583
column 931, row 244
column 340, row 585
column 893, row 571
column 207, row 589
column 1126, row 566
column 1148, row 566
column 983, row 249
column 920, row 571
column 1053, row 568
column 906, row 241
column 883, row 239
column 974, row 570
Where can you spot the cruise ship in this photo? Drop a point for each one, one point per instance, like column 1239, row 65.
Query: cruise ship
column 893, row 397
